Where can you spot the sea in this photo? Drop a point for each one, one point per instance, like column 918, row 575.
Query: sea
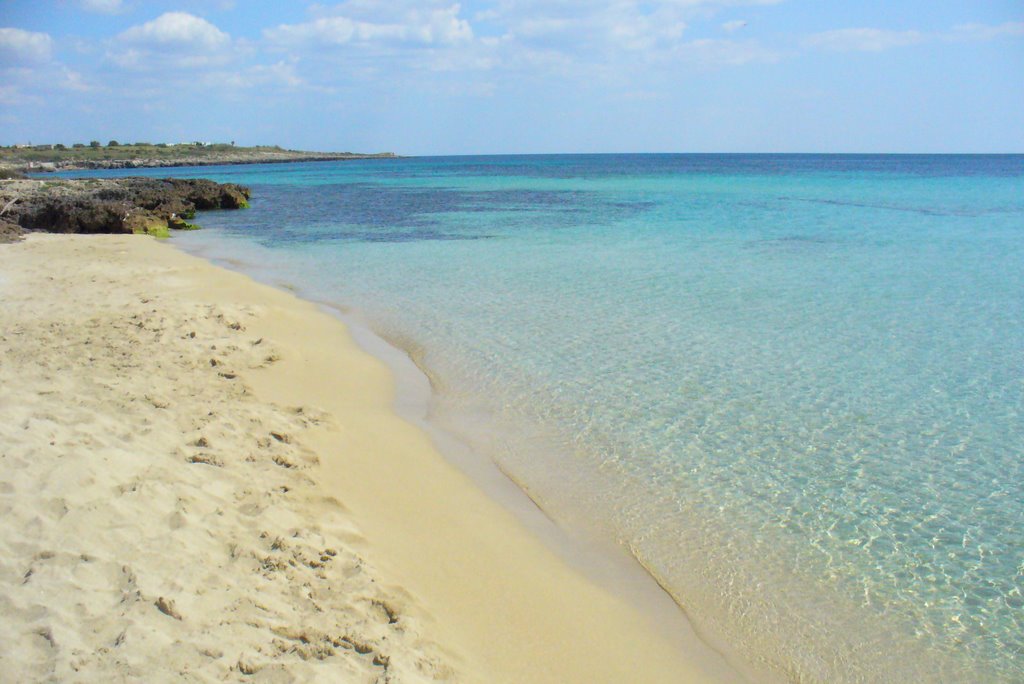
column 791, row 386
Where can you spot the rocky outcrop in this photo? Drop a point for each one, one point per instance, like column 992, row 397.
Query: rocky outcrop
column 116, row 205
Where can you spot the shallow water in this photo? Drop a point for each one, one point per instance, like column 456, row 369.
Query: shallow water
column 791, row 384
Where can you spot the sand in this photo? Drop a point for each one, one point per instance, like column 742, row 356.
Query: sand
column 202, row 478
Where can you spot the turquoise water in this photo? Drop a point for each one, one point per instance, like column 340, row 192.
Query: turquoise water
column 791, row 385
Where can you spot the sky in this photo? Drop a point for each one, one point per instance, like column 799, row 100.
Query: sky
column 518, row 76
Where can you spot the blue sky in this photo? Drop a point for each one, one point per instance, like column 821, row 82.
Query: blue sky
column 519, row 76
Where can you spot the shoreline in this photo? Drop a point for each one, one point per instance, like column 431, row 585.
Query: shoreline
column 125, row 164
column 428, row 528
column 284, row 157
column 612, row 566
column 586, row 548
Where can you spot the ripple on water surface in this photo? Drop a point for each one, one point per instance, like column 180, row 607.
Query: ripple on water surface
column 791, row 384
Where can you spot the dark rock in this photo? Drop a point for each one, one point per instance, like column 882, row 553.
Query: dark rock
column 9, row 231
column 120, row 205
column 72, row 215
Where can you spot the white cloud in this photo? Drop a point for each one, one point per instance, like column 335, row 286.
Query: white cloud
column 333, row 31
column 433, row 27
column 28, row 69
column 175, row 40
column 584, row 39
column 23, row 47
column 583, row 30
column 177, row 28
column 645, row 32
column 9, row 95
column 280, row 74
column 733, row 26
column 862, row 39
column 728, row 3
column 986, row 31
column 103, row 6
column 617, row 42
column 710, row 53
column 877, row 40
column 72, row 80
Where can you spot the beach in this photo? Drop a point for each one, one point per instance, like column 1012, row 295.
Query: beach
column 204, row 479
column 492, row 341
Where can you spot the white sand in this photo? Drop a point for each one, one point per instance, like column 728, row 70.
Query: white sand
column 202, row 477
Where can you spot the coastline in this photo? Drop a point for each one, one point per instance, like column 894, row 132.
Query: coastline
column 284, row 157
column 482, row 598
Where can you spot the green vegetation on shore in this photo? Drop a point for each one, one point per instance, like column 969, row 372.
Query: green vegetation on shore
column 90, row 152
column 144, row 154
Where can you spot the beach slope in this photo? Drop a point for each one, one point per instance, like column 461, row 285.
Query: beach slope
column 202, row 477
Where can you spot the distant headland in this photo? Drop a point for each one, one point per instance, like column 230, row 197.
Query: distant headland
column 115, row 155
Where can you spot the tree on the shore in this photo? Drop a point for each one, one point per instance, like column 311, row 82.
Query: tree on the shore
column 113, row 143
column 94, row 143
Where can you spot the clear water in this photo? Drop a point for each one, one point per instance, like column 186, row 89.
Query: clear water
column 792, row 385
